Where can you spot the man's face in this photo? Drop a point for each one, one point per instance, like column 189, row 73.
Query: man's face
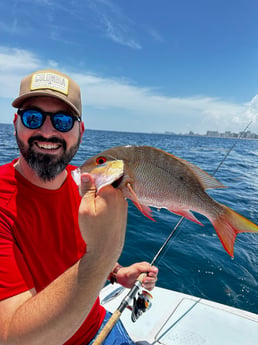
column 46, row 150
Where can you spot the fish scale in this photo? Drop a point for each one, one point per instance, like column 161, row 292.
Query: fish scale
column 168, row 179
column 155, row 178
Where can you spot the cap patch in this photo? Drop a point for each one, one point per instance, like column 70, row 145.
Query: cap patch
column 49, row 80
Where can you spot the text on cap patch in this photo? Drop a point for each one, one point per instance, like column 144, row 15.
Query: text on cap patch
column 49, row 80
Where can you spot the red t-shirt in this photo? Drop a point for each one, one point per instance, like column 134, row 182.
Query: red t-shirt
column 40, row 239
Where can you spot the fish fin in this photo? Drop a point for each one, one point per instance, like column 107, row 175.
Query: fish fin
column 207, row 180
column 187, row 214
column 144, row 209
column 228, row 225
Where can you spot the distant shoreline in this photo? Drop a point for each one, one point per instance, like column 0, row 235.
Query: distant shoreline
column 210, row 134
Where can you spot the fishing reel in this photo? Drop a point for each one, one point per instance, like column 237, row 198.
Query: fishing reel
column 140, row 304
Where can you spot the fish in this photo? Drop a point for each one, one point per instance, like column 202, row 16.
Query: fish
column 151, row 177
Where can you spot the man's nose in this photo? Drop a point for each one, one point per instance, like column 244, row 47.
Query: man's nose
column 47, row 128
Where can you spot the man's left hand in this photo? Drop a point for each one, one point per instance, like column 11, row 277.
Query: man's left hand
column 126, row 276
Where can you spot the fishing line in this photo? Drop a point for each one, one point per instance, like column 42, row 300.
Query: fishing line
column 226, row 155
column 182, row 218
column 138, row 283
column 166, row 241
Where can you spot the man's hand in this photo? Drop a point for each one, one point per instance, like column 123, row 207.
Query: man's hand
column 127, row 276
column 102, row 219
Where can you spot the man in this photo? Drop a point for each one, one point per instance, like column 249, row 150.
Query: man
column 53, row 262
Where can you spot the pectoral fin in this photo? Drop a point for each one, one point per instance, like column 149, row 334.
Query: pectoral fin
column 144, row 209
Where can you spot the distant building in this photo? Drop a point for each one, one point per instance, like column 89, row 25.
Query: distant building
column 216, row 134
column 212, row 134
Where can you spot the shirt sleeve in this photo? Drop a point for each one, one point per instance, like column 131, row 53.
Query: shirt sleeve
column 15, row 277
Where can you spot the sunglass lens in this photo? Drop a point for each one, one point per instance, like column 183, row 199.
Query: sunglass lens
column 32, row 119
column 62, row 122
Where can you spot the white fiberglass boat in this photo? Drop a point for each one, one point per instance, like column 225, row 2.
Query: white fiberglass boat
column 175, row 318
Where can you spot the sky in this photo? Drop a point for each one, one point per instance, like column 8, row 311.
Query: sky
column 142, row 65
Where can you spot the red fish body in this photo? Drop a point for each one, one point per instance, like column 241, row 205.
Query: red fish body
column 152, row 177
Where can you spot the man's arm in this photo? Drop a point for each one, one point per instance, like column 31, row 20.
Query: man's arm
column 55, row 314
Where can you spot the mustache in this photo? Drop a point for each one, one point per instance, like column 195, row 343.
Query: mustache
column 54, row 140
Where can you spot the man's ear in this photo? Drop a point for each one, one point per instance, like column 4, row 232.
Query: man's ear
column 82, row 129
column 15, row 118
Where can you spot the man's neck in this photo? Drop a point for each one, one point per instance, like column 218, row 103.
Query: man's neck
column 25, row 170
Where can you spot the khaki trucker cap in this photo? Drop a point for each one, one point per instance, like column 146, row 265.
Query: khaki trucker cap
column 50, row 83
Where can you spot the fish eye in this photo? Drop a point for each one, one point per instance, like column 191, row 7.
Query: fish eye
column 101, row 160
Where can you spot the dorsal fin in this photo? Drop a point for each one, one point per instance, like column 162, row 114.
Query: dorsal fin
column 207, row 180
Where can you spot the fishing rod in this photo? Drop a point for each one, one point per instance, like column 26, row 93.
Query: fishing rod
column 182, row 218
column 138, row 283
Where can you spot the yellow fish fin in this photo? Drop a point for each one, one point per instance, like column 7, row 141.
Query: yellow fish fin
column 228, row 225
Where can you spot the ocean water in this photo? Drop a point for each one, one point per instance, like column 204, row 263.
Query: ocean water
column 194, row 262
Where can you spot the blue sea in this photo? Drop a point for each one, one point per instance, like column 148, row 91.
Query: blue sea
column 194, row 262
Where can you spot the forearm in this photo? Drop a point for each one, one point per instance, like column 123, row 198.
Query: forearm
column 56, row 313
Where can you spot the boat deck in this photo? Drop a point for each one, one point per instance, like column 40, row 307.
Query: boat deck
column 179, row 319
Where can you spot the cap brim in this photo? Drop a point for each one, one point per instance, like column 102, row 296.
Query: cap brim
column 17, row 102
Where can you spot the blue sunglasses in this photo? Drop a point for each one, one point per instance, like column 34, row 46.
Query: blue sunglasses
column 34, row 118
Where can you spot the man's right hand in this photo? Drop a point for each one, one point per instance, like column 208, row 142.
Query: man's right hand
column 102, row 219
column 55, row 314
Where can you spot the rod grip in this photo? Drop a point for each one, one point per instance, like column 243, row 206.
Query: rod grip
column 116, row 315
column 108, row 327
column 141, row 277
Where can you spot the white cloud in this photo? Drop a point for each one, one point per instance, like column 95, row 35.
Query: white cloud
column 17, row 59
column 14, row 65
column 197, row 113
column 114, row 24
column 118, row 104
column 104, row 16
column 118, row 36
column 156, row 35
column 252, row 109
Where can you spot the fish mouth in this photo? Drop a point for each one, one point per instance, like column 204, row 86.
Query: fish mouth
column 117, row 182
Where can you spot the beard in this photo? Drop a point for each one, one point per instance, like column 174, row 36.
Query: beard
column 46, row 166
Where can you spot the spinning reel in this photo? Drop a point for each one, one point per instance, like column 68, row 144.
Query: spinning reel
column 140, row 304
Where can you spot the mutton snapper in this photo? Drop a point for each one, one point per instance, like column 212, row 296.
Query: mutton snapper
column 152, row 177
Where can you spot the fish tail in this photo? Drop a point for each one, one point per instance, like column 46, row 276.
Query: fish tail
column 228, row 224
